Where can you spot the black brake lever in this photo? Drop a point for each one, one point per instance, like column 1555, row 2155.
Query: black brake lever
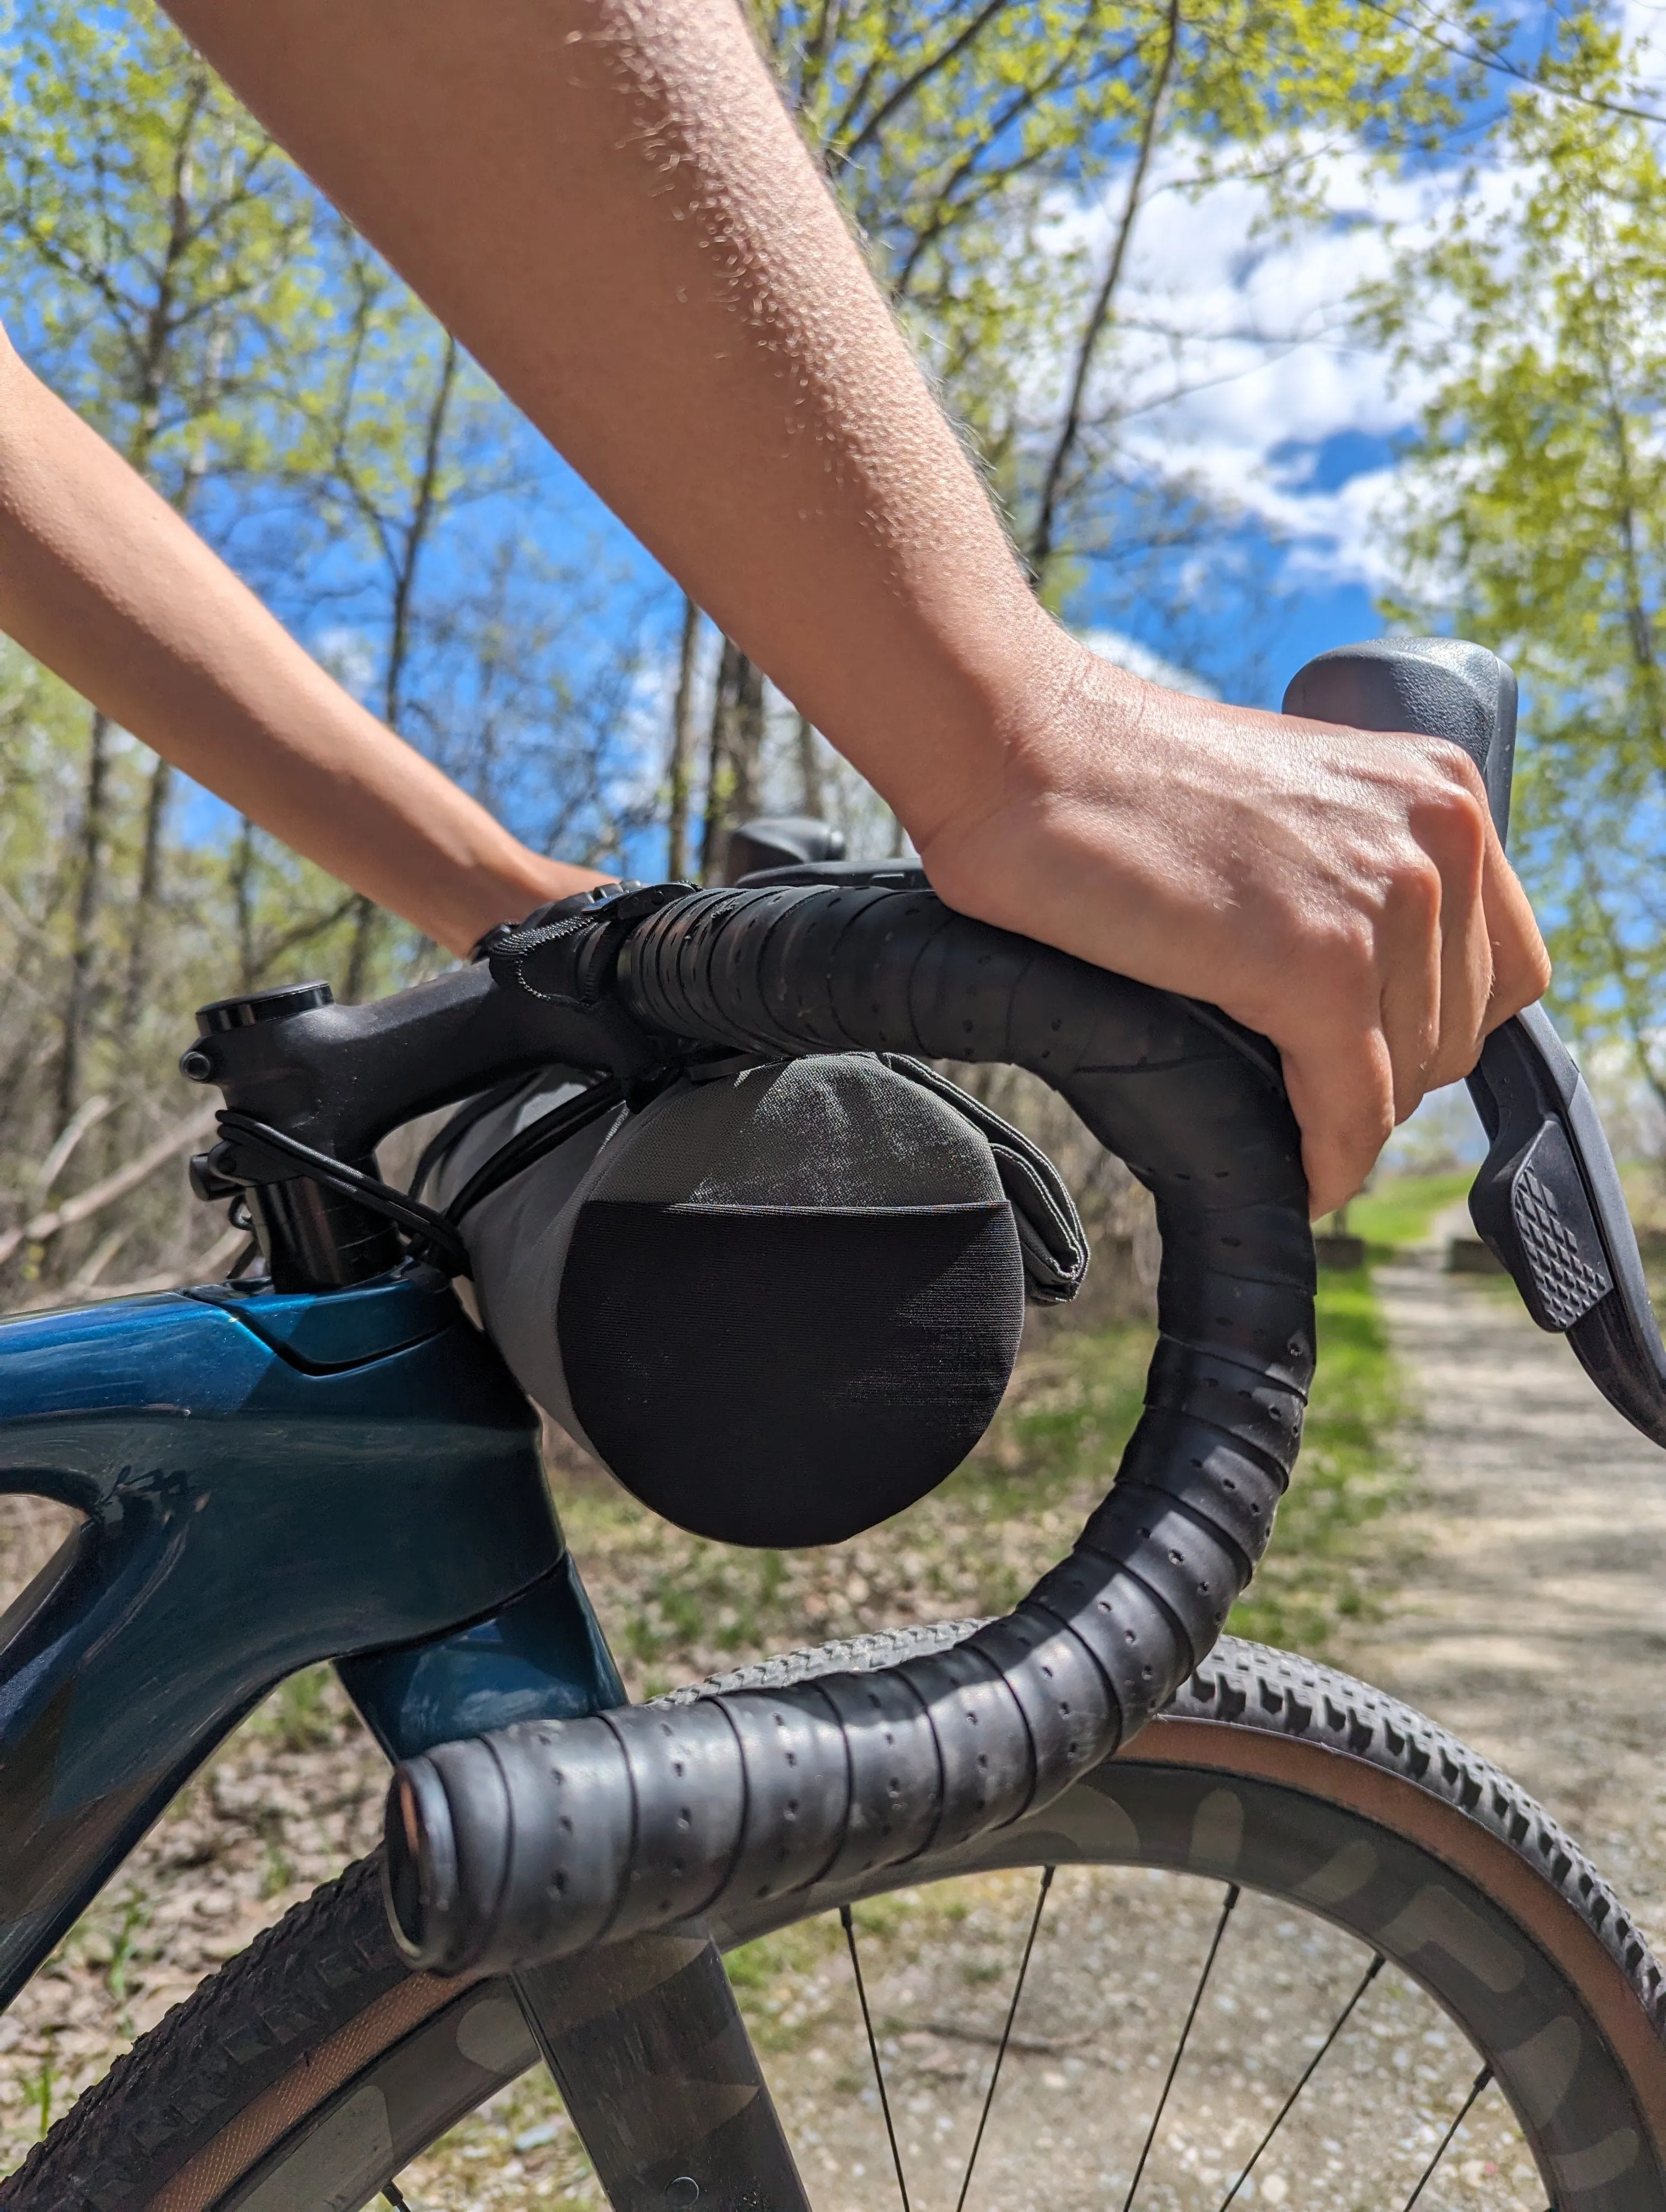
column 1548, row 1200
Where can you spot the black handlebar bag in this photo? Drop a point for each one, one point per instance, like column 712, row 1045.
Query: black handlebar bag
column 782, row 1300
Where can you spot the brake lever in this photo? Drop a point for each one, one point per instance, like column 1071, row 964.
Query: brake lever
column 1547, row 1201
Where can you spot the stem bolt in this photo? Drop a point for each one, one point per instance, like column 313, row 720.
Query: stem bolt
column 195, row 1065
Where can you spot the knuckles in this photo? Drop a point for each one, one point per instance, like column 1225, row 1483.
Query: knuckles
column 1453, row 829
column 1415, row 891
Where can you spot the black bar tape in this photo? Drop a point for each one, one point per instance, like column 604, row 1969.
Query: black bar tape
column 896, row 1775
column 543, row 1839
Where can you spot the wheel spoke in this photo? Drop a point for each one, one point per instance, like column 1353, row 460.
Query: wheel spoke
column 1180, row 2047
column 1308, row 2072
column 1444, row 2144
column 849, row 1926
column 1048, row 1874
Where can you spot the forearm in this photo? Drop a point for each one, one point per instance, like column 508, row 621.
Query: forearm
column 103, row 583
column 607, row 202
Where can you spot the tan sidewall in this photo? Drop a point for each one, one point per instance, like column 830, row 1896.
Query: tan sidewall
column 1332, row 1776
column 1397, row 1803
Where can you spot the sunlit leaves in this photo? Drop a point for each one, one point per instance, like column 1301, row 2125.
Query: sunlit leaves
column 164, row 238
column 1535, row 511
column 959, row 136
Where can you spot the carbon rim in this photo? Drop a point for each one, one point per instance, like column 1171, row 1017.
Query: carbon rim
column 1221, row 1810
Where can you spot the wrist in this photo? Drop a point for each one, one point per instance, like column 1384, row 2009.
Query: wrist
column 507, row 891
column 1065, row 716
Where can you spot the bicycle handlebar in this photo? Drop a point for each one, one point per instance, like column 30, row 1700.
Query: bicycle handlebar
column 542, row 1839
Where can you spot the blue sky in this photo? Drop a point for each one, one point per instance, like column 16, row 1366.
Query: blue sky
column 1244, row 377
column 1285, row 422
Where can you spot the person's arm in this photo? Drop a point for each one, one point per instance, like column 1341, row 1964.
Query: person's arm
column 608, row 204
column 102, row 581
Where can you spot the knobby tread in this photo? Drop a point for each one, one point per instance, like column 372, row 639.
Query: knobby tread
column 1278, row 1694
column 311, row 1974
column 1252, row 1686
column 327, row 1959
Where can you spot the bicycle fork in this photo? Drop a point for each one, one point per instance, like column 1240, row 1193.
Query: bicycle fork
column 643, row 2037
column 653, row 2062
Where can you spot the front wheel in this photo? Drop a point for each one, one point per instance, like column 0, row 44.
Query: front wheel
column 1295, row 1944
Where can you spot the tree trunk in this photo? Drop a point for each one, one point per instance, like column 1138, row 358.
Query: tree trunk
column 1639, row 618
column 78, row 998
column 810, row 770
column 242, row 894
column 746, row 743
column 717, row 762
column 1100, row 314
column 149, row 893
column 682, row 746
column 736, row 754
column 367, row 928
column 426, row 511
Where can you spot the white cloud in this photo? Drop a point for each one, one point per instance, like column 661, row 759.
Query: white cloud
column 1236, row 359
column 1138, row 659
column 1643, row 24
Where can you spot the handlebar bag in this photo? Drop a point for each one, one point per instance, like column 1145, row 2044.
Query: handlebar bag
column 780, row 1302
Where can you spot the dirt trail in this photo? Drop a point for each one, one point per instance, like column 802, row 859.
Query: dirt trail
column 1534, row 1620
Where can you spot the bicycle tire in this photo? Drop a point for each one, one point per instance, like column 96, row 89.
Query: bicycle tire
column 260, row 2074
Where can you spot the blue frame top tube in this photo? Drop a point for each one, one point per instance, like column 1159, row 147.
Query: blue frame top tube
column 265, row 1481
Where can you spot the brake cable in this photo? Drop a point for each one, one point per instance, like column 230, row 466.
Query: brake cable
column 532, row 1142
column 432, row 1235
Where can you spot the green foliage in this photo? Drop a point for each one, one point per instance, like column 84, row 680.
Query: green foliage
column 164, row 237
column 1399, row 1210
column 969, row 141
column 171, row 274
column 168, row 272
column 302, row 1712
column 159, row 267
column 1534, row 515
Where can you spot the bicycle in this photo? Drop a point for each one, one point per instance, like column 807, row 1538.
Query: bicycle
column 1106, row 1737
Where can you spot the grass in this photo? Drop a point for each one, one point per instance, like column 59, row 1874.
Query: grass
column 303, row 1712
column 1402, row 1209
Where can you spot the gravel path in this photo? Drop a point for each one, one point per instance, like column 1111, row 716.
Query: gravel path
column 1531, row 1618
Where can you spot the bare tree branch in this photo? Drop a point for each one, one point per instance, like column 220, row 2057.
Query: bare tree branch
column 85, row 1204
column 1041, row 541
column 901, row 94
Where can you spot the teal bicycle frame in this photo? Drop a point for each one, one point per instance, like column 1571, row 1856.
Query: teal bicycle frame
column 265, row 1481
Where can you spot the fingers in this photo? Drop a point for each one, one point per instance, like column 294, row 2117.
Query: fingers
column 1459, row 947
column 1457, row 951
column 1494, row 961
column 1409, row 958
column 1341, row 1090
column 1521, row 966
column 1453, row 952
column 1456, row 831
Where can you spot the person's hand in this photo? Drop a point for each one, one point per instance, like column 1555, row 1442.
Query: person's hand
column 1344, row 893
column 661, row 278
